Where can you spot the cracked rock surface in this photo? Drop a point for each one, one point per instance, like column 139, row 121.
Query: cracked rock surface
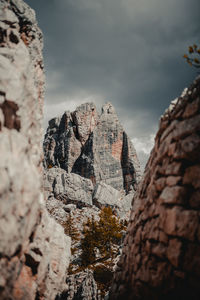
column 90, row 163
column 161, row 254
column 93, row 146
column 34, row 252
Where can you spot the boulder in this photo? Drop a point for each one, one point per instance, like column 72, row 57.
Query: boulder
column 68, row 187
column 105, row 195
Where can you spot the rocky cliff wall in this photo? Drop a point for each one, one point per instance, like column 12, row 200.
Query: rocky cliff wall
column 161, row 254
column 90, row 163
column 34, row 252
column 93, row 146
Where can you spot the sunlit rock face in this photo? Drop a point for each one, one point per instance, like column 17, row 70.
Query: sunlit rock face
column 160, row 258
column 34, row 252
column 90, row 163
column 93, row 146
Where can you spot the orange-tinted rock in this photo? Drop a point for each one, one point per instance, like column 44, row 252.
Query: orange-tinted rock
column 173, row 180
column 192, row 176
column 25, row 287
column 93, row 146
column 174, row 195
column 117, row 149
column 174, row 251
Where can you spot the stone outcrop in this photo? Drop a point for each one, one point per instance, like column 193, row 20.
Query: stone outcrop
column 92, row 146
column 34, row 252
column 90, row 164
column 72, row 200
column 66, row 191
column 70, row 188
column 161, row 254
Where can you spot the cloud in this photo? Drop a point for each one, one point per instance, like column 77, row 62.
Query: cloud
column 143, row 146
column 126, row 52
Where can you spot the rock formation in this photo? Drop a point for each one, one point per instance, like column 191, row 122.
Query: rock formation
column 63, row 191
column 90, row 163
column 34, row 252
column 161, row 254
column 92, row 146
column 82, row 286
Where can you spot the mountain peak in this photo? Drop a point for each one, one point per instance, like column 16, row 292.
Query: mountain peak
column 108, row 108
column 93, row 147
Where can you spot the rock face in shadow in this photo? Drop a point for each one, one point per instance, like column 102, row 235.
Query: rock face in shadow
column 161, row 254
column 92, row 146
column 82, row 286
column 34, row 252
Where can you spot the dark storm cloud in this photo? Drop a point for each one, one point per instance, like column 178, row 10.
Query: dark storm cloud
column 126, row 52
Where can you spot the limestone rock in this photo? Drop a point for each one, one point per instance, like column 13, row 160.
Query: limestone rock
column 160, row 258
column 105, row 195
column 92, row 146
column 63, row 189
column 68, row 187
column 34, row 252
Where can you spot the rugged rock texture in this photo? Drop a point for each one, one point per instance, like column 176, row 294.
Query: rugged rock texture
column 92, row 146
column 72, row 200
column 161, row 254
column 66, row 191
column 34, row 252
column 68, row 187
column 82, row 286
column 89, row 163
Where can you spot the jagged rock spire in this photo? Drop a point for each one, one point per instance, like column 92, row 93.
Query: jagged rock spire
column 93, row 146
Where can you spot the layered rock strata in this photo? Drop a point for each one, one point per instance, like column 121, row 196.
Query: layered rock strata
column 34, row 252
column 92, row 146
column 161, row 254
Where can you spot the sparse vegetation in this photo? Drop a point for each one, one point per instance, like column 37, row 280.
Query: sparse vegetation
column 99, row 246
column 100, row 238
column 70, row 229
column 193, row 56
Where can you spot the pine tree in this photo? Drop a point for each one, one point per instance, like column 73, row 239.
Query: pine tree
column 70, row 229
column 89, row 242
column 109, row 231
column 101, row 235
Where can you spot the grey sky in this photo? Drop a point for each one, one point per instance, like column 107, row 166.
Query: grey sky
column 128, row 52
